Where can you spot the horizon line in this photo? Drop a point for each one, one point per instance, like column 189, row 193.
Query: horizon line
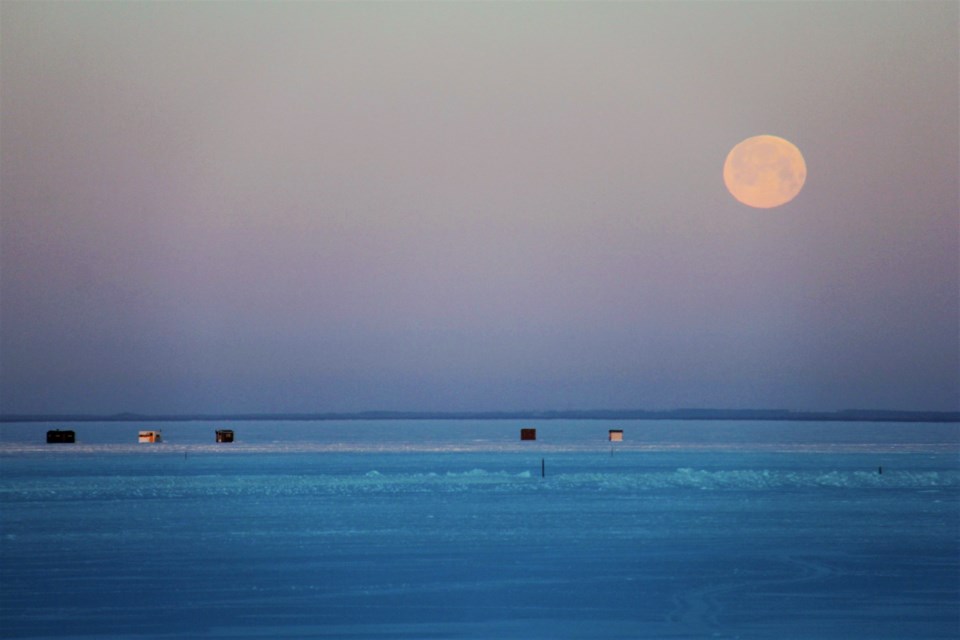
column 845, row 415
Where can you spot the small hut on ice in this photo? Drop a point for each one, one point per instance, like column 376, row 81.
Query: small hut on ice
column 56, row 436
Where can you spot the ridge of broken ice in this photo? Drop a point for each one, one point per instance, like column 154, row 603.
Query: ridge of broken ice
column 109, row 487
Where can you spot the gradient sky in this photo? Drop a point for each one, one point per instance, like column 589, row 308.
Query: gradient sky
column 261, row 207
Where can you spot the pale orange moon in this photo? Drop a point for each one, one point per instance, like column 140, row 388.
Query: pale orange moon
column 764, row 171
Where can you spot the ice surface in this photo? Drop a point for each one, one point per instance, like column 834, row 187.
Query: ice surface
column 417, row 534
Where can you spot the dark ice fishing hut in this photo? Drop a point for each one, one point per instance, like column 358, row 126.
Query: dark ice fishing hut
column 528, row 434
column 224, row 435
column 61, row 436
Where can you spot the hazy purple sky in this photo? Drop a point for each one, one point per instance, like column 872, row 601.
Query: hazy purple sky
column 334, row 207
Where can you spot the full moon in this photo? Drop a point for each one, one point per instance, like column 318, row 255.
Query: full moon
column 764, row 171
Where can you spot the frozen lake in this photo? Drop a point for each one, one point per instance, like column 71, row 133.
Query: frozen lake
column 407, row 529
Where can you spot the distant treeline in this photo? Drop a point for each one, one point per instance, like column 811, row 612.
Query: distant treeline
column 851, row 415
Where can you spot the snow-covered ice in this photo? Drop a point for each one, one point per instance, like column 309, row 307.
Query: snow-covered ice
column 448, row 530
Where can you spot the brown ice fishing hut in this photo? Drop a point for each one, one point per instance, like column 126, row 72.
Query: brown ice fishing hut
column 224, row 435
column 616, row 435
column 528, row 434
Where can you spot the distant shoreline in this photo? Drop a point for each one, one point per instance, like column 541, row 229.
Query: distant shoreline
column 853, row 415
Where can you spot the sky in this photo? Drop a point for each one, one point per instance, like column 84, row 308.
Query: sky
column 296, row 207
